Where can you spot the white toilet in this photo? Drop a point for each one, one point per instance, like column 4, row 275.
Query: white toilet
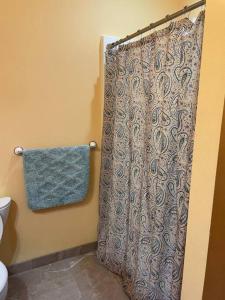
column 4, row 211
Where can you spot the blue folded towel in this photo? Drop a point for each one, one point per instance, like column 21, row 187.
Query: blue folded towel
column 56, row 176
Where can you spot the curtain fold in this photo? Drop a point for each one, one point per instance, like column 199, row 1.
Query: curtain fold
column 151, row 89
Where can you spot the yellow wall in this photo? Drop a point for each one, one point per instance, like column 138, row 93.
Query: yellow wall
column 208, row 126
column 50, row 96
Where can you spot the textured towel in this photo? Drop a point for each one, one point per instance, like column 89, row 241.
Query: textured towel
column 56, row 176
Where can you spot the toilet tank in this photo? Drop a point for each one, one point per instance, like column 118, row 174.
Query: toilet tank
column 4, row 208
column 4, row 211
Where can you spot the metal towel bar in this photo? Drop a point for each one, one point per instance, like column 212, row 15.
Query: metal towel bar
column 19, row 150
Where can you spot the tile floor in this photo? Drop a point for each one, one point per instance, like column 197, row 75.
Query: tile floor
column 78, row 278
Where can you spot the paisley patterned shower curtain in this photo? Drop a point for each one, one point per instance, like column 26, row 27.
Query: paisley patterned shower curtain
column 151, row 89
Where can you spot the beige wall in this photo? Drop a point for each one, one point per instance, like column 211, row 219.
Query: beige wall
column 208, row 125
column 50, row 96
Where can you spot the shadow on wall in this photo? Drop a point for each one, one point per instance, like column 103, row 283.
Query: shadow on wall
column 214, row 287
column 9, row 240
column 10, row 244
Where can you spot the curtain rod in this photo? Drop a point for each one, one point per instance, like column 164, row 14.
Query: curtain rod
column 158, row 23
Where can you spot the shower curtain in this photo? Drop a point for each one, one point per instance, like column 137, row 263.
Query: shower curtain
column 151, row 89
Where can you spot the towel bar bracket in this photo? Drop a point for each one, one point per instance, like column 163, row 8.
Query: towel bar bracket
column 93, row 144
column 19, row 150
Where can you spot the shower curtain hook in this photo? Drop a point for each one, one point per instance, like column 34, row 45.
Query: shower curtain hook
column 187, row 15
column 142, row 38
column 203, row 7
